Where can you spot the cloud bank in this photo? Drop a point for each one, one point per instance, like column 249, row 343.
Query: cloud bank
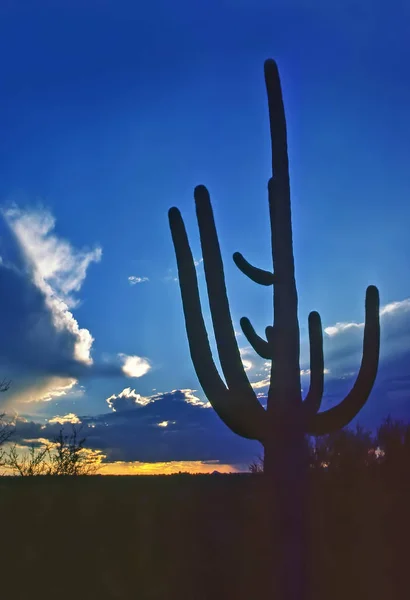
column 43, row 348
column 169, row 426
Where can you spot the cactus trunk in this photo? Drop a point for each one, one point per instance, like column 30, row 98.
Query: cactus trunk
column 286, row 458
column 287, row 517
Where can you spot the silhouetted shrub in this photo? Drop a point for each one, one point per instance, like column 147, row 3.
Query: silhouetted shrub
column 348, row 452
column 64, row 456
column 393, row 441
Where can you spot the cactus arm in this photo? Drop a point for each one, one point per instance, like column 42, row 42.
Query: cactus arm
column 270, row 334
column 260, row 345
column 313, row 399
column 257, row 275
column 340, row 415
column 197, row 335
column 228, row 350
column 223, row 402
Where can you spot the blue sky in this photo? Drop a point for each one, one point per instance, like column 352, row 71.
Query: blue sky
column 112, row 112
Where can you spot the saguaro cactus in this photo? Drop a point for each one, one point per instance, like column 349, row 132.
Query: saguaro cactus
column 283, row 426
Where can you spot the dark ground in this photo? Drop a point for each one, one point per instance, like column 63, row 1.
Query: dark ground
column 194, row 537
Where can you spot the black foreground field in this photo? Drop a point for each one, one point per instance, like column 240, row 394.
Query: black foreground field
column 195, row 537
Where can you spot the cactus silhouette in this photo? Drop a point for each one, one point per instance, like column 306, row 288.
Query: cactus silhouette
column 283, row 426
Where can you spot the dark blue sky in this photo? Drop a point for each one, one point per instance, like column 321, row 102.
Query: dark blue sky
column 111, row 112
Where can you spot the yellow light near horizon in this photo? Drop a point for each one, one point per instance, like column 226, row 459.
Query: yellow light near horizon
column 167, row 468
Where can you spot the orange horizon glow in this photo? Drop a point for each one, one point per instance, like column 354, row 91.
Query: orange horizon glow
column 135, row 467
column 167, row 468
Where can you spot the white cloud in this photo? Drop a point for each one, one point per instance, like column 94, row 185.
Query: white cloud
column 247, row 363
column 133, row 279
column 134, row 366
column 391, row 309
column 190, row 398
column 343, row 341
column 341, row 327
column 56, row 268
column 343, row 344
column 263, row 383
column 128, row 398
column 257, row 385
column 63, row 320
column 305, row 372
column 69, row 418
column 396, row 307
column 47, row 389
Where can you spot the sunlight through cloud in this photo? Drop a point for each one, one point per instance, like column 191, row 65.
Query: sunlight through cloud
column 69, row 418
column 128, row 398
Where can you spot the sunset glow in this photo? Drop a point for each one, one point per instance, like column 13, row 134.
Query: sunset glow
column 167, row 468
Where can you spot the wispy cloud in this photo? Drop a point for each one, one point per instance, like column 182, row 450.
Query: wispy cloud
column 50, row 389
column 187, row 396
column 305, row 372
column 248, row 364
column 172, row 272
column 262, row 383
column 170, row 276
column 133, row 279
column 57, row 268
column 69, row 418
